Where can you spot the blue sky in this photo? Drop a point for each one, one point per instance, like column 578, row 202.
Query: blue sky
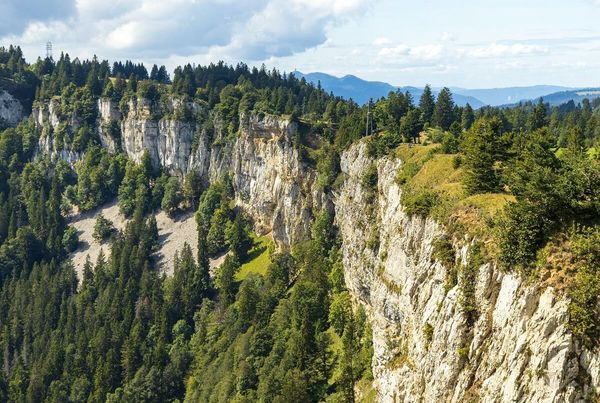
column 464, row 43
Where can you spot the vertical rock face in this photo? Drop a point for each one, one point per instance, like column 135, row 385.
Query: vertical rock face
column 518, row 349
column 47, row 119
column 11, row 110
column 270, row 182
column 108, row 115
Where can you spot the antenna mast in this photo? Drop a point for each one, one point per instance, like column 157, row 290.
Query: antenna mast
column 49, row 50
column 369, row 120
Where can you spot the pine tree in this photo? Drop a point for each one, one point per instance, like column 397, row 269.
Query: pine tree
column 225, row 279
column 238, row 239
column 203, row 259
column 480, row 147
column 427, row 105
column 538, row 118
column 443, row 114
column 467, row 117
column 411, row 126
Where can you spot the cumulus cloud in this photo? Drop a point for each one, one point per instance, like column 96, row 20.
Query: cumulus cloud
column 249, row 29
column 16, row 15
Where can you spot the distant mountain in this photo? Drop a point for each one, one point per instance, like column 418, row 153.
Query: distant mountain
column 576, row 96
column 510, row 95
column 361, row 90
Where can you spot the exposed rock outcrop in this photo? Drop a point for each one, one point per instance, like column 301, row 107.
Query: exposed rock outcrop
column 277, row 189
column 11, row 110
column 518, row 349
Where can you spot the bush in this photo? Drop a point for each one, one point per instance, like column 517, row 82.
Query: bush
column 370, row 177
column 428, row 333
column 103, row 228
column 420, row 201
column 172, row 196
column 584, row 312
column 70, row 239
column 407, row 171
column 522, row 229
column 443, row 251
column 468, row 282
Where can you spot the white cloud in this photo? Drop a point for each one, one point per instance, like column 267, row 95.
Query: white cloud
column 448, row 37
column 17, row 15
column 382, row 41
column 502, row 50
column 250, row 29
column 422, row 52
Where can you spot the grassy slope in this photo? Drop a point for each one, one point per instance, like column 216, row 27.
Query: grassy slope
column 436, row 171
column 258, row 257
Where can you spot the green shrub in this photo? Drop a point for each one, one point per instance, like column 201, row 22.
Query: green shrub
column 444, row 251
column 457, row 161
column 468, row 282
column 522, row 230
column 70, row 239
column 407, row 172
column 584, row 312
column 428, row 333
column 373, row 241
column 103, row 228
column 451, row 279
column 419, row 201
column 463, row 352
column 370, row 177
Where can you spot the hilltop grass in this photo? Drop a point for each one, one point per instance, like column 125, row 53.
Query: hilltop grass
column 258, row 258
column 433, row 185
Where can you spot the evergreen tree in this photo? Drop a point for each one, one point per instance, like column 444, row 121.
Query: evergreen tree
column 238, row 239
column 225, row 279
column 481, row 149
column 443, row 114
column 427, row 105
column 467, row 117
column 411, row 126
column 172, row 197
column 539, row 116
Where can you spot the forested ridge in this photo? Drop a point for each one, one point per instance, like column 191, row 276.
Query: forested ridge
column 127, row 332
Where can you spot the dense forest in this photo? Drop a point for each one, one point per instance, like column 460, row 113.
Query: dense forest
column 127, row 332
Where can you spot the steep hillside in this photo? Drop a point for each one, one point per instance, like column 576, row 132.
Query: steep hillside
column 173, row 233
column 427, row 345
column 11, row 110
column 427, row 252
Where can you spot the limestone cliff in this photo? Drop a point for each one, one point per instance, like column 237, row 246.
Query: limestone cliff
column 11, row 110
column 518, row 349
column 270, row 182
column 425, row 349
